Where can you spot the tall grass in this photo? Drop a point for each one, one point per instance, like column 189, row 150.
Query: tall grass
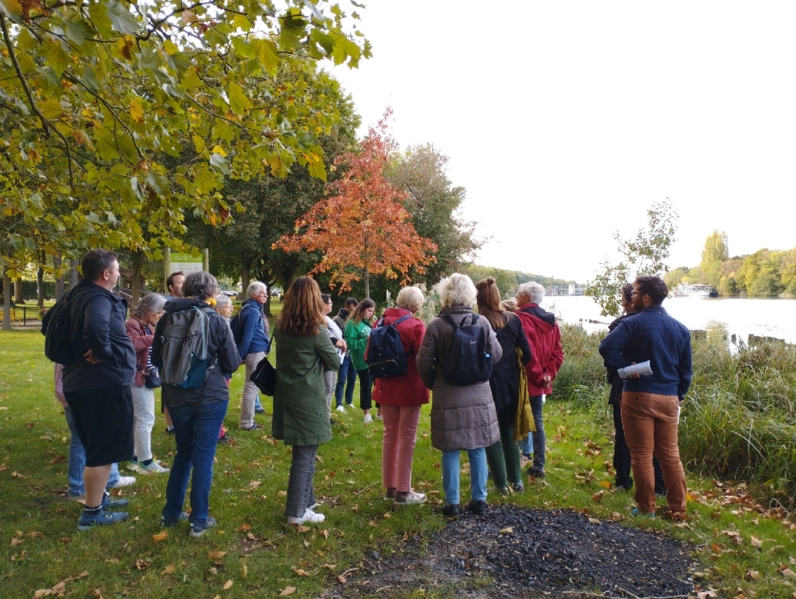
column 738, row 419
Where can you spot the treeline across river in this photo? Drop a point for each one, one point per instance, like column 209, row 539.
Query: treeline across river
column 738, row 420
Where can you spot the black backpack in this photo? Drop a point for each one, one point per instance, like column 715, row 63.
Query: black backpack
column 468, row 362
column 56, row 326
column 386, row 357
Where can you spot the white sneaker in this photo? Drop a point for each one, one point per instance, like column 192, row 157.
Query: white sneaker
column 124, row 481
column 350, row 405
column 308, row 517
column 153, row 468
column 411, row 498
column 368, row 418
column 340, row 408
column 378, row 416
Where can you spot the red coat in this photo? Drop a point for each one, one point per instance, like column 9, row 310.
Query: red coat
column 136, row 331
column 544, row 337
column 406, row 390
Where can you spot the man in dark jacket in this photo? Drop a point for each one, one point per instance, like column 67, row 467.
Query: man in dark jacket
column 651, row 403
column 97, row 384
column 252, row 347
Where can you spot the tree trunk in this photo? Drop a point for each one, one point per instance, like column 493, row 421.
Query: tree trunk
column 366, row 278
column 7, row 290
column 40, row 280
column 137, row 280
column 74, row 276
column 18, row 297
column 59, row 282
column 245, row 273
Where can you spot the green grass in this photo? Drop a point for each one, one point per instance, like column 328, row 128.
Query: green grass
column 253, row 547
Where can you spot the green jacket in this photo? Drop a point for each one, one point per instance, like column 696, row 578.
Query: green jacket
column 356, row 337
column 300, row 412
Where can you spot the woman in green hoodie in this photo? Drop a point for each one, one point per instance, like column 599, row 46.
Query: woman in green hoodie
column 357, row 332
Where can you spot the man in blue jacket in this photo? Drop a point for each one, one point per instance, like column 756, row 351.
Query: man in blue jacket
column 252, row 347
column 651, row 403
column 97, row 384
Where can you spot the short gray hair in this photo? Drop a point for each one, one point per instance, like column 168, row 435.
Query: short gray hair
column 410, row 298
column 254, row 288
column 457, row 289
column 200, row 284
column 534, row 291
column 222, row 299
column 151, row 303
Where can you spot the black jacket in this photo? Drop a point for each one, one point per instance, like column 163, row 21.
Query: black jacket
column 224, row 358
column 97, row 319
column 505, row 379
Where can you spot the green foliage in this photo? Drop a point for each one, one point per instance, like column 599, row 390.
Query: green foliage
column 715, row 252
column 119, row 118
column 508, row 280
column 582, row 375
column 644, row 254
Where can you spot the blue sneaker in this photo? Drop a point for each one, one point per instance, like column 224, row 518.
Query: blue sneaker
column 111, row 503
column 199, row 528
column 164, row 523
column 635, row 512
column 101, row 518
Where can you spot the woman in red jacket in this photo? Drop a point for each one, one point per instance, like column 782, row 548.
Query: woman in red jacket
column 401, row 398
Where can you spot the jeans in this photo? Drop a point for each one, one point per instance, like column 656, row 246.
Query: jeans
column 250, row 390
column 398, row 446
column 300, row 492
column 144, row 411
column 450, row 474
column 196, row 431
column 328, row 379
column 346, row 373
column 365, row 389
column 650, row 422
column 77, row 461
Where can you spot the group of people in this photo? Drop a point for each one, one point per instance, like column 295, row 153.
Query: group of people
column 113, row 408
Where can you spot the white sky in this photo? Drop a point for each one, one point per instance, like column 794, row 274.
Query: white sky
column 565, row 120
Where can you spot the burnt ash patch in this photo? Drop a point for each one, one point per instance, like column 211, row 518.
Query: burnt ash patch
column 515, row 552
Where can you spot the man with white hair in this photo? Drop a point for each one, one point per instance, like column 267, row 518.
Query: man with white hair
column 253, row 344
column 544, row 337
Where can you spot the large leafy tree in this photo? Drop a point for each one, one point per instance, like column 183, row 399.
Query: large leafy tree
column 118, row 117
column 362, row 227
column 715, row 252
column 644, row 254
column 434, row 203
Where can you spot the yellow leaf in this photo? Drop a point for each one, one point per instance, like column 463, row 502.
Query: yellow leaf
column 217, row 555
column 168, row 569
column 161, row 536
column 227, row 585
column 136, row 110
column 244, row 571
column 287, row 591
column 605, row 483
column 220, row 150
column 329, row 566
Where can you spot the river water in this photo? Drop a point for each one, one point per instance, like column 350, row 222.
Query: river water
column 731, row 316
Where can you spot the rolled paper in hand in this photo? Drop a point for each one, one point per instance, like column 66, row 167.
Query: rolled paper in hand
column 642, row 368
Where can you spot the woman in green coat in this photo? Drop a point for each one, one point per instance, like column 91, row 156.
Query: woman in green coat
column 357, row 332
column 303, row 352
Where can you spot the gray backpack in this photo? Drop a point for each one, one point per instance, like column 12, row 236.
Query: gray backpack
column 184, row 348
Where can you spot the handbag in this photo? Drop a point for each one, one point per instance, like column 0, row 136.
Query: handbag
column 264, row 376
column 523, row 423
column 152, row 378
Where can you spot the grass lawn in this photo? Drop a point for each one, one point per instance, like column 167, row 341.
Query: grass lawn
column 744, row 550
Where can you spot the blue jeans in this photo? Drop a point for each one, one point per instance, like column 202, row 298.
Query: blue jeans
column 539, row 439
column 346, row 373
column 196, row 431
column 77, row 461
column 450, row 474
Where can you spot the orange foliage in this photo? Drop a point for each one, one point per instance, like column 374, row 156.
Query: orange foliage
column 361, row 225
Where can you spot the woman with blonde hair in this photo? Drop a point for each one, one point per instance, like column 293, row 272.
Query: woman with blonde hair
column 504, row 456
column 303, row 352
column 357, row 333
column 401, row 398
column 462, row 417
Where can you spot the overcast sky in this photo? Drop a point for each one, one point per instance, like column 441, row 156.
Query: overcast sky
column 566, row 120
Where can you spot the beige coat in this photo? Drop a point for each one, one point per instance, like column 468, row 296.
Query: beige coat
column 461, row 417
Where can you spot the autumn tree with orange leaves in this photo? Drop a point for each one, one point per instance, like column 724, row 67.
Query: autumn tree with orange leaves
column 361, row 226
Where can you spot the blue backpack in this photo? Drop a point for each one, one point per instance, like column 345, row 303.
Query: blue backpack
column 386, row 357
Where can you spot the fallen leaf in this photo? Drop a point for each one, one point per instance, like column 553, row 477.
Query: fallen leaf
column 15, row 541
column 245, row 527
column 287, row 591
column 341, row 579
column 788, row 573
column 606, row 484
column 227, row 585
column 752, row 575
column 244, row 571
column 756, row 542
column 255, row 483
column 594, row 520
column 299, row 571
column 97, row 594
column 507, row 531
column 161, row 536
column 217, row 555
column 598, row 497
column 213, row 570
column 329, row 566
column 168, row 570
column 141, row 564
column 325, row 533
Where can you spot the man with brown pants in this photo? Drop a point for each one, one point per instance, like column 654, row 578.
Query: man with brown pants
column 651, row 402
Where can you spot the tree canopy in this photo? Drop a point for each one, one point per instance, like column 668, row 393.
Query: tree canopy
column 119, row 117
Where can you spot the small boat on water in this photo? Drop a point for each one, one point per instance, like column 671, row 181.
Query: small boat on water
column 685, row 290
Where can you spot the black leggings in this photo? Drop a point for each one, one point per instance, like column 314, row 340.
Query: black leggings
column 365, row 389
